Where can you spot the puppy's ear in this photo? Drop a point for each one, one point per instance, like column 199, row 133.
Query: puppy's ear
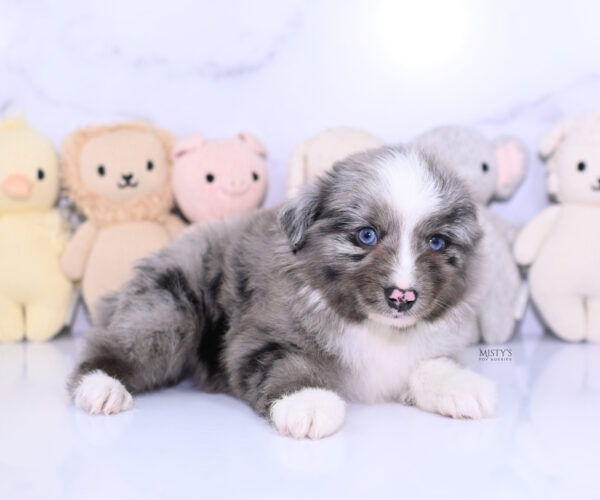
column 299, row 213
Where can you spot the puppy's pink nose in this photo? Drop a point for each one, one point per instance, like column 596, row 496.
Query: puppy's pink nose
column 406, row 295
column 400, row 299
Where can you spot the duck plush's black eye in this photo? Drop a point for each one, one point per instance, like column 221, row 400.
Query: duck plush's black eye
column 581, row 166
column 210, row 177
column 41, row 174
column 254, row 176
column 149, row 165
column 367, row 236
column 101, row 170
column 485, row 167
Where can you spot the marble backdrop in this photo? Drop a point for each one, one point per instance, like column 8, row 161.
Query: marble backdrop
column 287, row 69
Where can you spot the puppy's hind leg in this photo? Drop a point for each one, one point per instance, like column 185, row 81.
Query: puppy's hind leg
column 147, row 340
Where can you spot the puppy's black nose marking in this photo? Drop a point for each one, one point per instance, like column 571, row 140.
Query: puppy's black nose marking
column 400, row 299
column 127, row 177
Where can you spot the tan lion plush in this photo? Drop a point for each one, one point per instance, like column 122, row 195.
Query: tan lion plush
column 35, row 296
column 118, row 176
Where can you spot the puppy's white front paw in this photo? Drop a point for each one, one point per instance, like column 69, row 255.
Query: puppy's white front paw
column 99, row 393
column 441, row 386
column 467, row 395
column 309, row 413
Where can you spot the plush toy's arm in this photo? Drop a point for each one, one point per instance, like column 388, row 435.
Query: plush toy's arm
column 532, row 236
column 174, row 225
column 503, row 227
column 58, row 229
column 78, row 250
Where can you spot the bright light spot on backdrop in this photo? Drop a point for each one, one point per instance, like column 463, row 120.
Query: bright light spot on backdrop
column 422, row 33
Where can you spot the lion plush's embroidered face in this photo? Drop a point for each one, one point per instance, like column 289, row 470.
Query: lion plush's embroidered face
column 119, row 173
column 124, row 164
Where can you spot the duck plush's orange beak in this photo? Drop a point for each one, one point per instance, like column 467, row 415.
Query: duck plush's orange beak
column 16, row 186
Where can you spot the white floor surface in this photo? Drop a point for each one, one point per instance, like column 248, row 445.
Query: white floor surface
column 180, row 443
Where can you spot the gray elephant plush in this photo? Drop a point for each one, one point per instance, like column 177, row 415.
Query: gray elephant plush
column 493, row 170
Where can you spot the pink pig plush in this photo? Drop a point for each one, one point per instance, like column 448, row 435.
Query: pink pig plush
column 213, row 179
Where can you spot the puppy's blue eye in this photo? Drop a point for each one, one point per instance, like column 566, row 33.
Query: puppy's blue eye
column 367, row 236
column 437, row 243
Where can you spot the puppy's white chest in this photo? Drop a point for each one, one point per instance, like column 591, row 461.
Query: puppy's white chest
column 379, row 360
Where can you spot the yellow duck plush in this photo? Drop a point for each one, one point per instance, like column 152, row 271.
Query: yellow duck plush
column 35, row 296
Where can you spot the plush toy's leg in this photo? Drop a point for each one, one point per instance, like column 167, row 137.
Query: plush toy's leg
column 565, row 315
column 497, row 316
column 593, row 310
column 472, row 327
column 45, row 319
column 12, row 325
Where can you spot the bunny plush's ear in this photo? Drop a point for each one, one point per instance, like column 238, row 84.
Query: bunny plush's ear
column 511, row 157
column 252, row 141
column 187, row 145
column 548, row 146
column 551, row 141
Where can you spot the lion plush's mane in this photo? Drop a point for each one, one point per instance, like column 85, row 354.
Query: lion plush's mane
column 98, row 209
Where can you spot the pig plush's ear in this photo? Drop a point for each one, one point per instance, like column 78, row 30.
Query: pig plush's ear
column 252, row 141
column 511, row 158
column 187, row 145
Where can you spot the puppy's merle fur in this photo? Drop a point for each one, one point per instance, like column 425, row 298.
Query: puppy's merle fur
column 287, row 309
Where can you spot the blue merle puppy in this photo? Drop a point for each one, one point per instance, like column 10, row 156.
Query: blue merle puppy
column 357, row 290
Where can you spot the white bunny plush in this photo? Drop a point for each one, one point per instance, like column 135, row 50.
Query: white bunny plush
column 562, row 244
column 315, row 155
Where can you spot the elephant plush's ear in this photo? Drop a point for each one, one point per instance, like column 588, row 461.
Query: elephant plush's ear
column 187, row 145
column 511, row 158
column 254, row 143
column 551, row 141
